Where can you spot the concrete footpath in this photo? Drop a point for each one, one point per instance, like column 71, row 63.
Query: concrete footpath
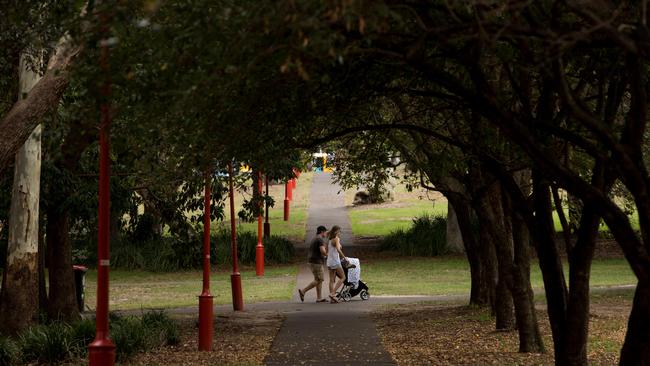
column 323, row 333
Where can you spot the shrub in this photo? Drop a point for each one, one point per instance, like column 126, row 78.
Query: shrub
column 163, row 330
column 172, row 254
column 8, row 352
column 129, row 337
column 132, row 334
column 46, row 343
column 427, row 237
column 82, row 334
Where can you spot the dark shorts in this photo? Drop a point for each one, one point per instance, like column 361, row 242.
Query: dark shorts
column 317, row 271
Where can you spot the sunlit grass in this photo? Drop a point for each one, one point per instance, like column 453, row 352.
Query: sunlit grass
column 384, row 276
column 450, row 275
column 140, row 289
column 380, row 221
column 294, row 229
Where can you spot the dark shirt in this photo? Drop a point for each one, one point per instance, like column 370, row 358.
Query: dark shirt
column 315, row 256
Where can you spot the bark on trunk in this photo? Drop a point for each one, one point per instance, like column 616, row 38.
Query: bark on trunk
column 636, row 349
column 510, row 272
column 20, row 283
column 482, row 266
column 62, row 302
column 454, row 236
column 549, row 261
column 18, row 124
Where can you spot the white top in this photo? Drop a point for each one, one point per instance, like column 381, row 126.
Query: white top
column 333, row 258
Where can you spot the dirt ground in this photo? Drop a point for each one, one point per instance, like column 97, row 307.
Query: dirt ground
column 239, row 339
column 425, row 334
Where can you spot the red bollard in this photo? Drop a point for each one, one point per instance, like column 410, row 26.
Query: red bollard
column 267, row 225
column 235, row 277
column 286, row 201
column 290, row 190
column 206, row 316
column 259, row 249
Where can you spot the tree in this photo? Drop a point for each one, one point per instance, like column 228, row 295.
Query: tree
column 20, row 279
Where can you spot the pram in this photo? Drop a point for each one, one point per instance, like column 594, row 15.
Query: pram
column 352, row 284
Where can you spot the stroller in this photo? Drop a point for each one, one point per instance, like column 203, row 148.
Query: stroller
column 352, row 284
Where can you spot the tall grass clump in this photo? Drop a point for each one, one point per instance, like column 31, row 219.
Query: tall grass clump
column 133, row 334
column 9, row 352
column 51, row 343
column 58, row 342
column 427, row 237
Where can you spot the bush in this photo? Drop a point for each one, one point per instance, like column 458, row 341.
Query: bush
column 172, row 254
column 47, row 343
column 129, row 337
column 8, row 352
column 56, row 342
column 132, row 334
column 82, row 334
column 163, row 329
column 427, row 237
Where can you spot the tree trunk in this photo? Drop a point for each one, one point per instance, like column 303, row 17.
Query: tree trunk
column 549, row 261
column 636, row 349
column 20, row 280
column 510, row 272
column 482, row 265
column 62, row 302
column 454, row 236
column 503, row 307
column 21, row 120
column 42, row 288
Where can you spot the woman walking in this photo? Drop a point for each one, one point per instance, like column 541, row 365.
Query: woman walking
column 334, row 257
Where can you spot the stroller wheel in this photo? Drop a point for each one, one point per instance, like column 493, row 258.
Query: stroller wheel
column 364, row 294
column 346, row 296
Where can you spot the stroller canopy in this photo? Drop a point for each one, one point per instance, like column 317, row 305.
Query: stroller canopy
column 354, row 274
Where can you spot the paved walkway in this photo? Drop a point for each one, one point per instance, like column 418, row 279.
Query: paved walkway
column 323, row 334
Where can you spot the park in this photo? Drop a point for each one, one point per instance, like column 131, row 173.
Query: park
column 289, row 182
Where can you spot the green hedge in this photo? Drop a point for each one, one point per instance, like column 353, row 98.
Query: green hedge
column 427, row 237
column 172, row 254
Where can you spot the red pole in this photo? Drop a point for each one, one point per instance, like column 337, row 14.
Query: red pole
column 290, row 191
column 101, row 352
column 206, row 328
column 259, row 249
column 235, row 277
column 286, row 201
column 267, row 225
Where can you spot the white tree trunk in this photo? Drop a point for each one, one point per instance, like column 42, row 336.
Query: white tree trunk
column 19, row 300
column 454, row 236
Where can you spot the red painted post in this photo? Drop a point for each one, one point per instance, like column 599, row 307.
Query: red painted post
column 290, row 191
column 206, row 316
column 101, row 352
column 286, row 201
column 235, row 277
column 259, row 249
column 267, row 225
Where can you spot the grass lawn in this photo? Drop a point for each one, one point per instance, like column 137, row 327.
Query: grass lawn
column 381, row 220
column 450, row 275
column 294, row 229
column 385, row 276
column 139, row 289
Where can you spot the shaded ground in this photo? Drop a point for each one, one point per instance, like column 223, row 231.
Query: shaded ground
column 454, row 334
column 240, row 339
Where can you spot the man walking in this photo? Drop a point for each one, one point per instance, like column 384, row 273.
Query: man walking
column 317, row 255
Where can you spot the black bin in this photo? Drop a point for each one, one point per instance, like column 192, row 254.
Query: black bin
column 80, row 284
